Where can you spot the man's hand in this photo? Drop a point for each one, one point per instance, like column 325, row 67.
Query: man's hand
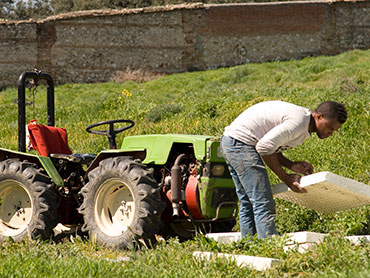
column 292, row 181
column 302, row 167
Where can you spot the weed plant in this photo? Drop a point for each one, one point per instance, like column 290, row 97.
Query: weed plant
column 204, row 103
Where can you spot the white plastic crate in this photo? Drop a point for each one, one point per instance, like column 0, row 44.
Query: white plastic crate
column 225, row 237
column 326, row 193
column 258, row 263
column 303, row 240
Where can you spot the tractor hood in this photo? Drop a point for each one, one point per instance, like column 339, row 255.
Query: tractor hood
column 158, row 146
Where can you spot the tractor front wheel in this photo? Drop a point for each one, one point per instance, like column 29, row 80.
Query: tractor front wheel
column 121, row 203
column 28, row 202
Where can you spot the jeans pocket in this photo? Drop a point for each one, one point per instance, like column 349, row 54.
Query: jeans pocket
column 237, row 160
column 242, row 157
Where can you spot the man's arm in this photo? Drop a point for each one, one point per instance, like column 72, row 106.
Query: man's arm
column 285, row 162
column 275, row 162
column 301, row 167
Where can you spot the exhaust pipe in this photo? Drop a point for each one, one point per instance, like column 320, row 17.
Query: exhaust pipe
column 176, row 182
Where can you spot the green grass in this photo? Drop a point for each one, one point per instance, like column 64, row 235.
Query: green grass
column 335, row 257
column 204, row 103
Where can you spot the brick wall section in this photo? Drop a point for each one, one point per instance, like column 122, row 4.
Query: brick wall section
column 353, row 25
column 236, row 34
column 18, row 51
column 92, row 46
column 263, row 20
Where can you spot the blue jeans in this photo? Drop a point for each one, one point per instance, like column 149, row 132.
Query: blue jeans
column 257, row 206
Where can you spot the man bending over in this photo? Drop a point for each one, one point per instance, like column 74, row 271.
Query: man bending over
column 260, row 134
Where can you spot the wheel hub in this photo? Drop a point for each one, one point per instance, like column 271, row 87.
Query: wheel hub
column 114, row 207
column 15, row 208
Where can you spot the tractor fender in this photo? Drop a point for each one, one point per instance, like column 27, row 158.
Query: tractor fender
column 136, row 154
column 41, row 162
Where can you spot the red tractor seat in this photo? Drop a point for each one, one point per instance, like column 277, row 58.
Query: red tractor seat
column 48, row 139
column 53, row 142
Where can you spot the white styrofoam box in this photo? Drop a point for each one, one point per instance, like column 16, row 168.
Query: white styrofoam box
column 225, row 237
column 301, row 248
column 326, row 193
column 306, row 237
column 120, row 259
column 294, row 238
column 358, row 239
column 62, row 229
column 258, row 263
column 303, row 240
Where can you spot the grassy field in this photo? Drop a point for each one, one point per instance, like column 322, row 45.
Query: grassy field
column 204, row 103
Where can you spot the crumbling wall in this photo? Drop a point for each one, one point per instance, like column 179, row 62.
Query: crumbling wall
column 18, row 51
column 92, row 46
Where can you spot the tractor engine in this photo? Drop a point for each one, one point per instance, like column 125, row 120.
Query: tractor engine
column 198, row 191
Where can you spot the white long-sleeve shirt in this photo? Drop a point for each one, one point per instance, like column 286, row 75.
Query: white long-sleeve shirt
column 271, row 126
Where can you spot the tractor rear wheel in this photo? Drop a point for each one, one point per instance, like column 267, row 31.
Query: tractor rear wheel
column 28, row 202
column 121, row 203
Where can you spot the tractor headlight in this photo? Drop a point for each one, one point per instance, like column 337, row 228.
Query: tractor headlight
column 218, row 170
column 219, row 152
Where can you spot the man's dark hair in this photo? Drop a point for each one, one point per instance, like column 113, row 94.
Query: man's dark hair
column 332, row 110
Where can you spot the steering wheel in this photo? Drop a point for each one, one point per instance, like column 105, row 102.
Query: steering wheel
column 111, row 132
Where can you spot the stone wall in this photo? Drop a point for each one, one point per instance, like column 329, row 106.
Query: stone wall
column 92, row 46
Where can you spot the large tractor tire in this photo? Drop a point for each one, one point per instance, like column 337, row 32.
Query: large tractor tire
column 122, row 204
column 29, row 202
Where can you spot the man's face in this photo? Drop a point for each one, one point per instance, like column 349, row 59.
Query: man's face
column 325, row 127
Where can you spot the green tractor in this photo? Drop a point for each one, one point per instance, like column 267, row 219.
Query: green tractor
column 163, row 184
